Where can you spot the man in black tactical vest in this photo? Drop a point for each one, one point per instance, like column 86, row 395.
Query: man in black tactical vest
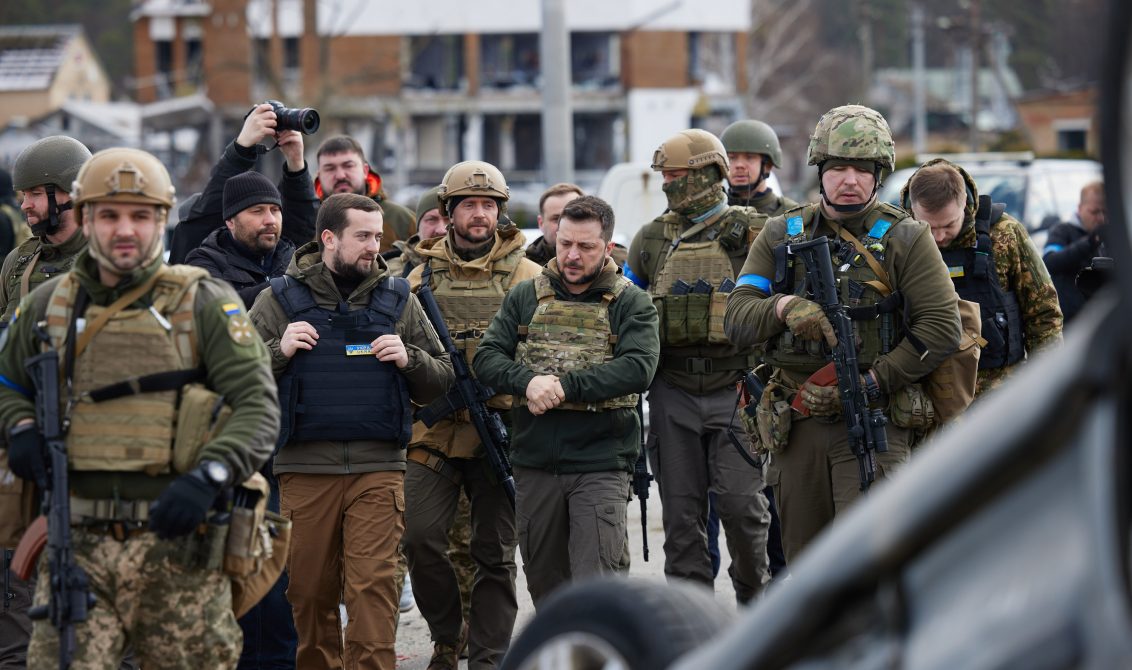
column 688, row 259
column 352, row 351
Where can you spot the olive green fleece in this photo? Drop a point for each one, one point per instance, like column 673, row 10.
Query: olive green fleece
column 428, row 374
column 239, row 372
column 915, row 267
column 569, row 441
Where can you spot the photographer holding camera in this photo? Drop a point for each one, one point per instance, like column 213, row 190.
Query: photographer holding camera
column 299, row 203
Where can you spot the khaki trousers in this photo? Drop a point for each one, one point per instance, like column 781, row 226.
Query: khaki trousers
column 344, row 548
column 570, row 526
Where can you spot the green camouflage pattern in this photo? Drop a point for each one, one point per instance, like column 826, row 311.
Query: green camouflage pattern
column 752, row 137
column 173, row 616
column 696, row 192
column 853, row 132
column 52, row 260
column 690, row 150
column 566, row 335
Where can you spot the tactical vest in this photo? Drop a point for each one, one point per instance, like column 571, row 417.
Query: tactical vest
column 689, row 316
column 871, row 305
column 469, row 304
column 28, row 271
column 339, row 390
column 564, row 335
column 133, row 432
column 975, row 276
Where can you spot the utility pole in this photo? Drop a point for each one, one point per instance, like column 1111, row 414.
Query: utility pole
column 557, row 112
column 975, row 33
column 919, row 105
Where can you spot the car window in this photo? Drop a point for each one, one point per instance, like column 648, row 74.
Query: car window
column 1009, row 189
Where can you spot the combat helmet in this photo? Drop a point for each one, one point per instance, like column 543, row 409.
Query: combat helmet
column 752, row 137
column 123, row 175
column 51, row 162
column 690, row 150
column 471, row 179
column 853, row 132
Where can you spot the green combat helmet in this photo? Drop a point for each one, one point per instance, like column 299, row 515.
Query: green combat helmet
column 52, row 162
column 753, row 137
column 690, row 150
column 853, row 132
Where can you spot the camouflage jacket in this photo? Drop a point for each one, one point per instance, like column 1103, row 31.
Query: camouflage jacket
column 558, row 441
column 1021, row 272
column 50, row 260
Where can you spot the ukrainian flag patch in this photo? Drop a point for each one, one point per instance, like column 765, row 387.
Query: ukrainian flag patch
column 358, row 350
column 231, row 308
column 955, row 271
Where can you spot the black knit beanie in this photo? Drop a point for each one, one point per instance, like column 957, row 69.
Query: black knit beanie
column 247, row 189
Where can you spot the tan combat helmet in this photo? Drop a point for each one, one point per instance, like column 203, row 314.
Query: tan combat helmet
column 853, row 132
column 123, row 175
column 471, row 179
column 690, row 150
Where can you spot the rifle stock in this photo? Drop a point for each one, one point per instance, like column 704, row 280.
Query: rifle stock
column 470, row 394
column 70, row 587
column 866, row 427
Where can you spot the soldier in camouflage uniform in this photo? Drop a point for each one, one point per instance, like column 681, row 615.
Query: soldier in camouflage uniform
column 43, row 173
column 473, row 267
column 686, row 259
column 575, row 346
column 1018, row 301
column 753, row 151
column 906, row 318
column 135, row 518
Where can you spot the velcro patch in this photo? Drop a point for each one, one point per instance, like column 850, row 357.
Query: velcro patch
column 358, row 350
column 241, row 331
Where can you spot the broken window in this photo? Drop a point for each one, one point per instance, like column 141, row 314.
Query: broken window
column 509, row 60
column 594, row 140
column 436, row 62
column 595, row 60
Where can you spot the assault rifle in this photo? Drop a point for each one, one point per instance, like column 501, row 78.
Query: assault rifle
column 468, row 394
column 641, row 480
column 865, row 425
column 70, row 588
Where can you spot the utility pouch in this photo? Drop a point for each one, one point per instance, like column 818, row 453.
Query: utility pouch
column 202, row 413
column 774, row 417
column 684, row 319
column 910, row 407
column 715, row 318
column 255, row 551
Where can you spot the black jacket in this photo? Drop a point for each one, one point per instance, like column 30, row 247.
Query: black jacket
column 225, row 259
column 1069, row 249
column 300, row 204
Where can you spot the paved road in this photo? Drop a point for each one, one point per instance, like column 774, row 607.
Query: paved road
column 414, row 648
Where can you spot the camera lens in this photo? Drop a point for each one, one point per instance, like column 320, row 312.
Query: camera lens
column 304, row 120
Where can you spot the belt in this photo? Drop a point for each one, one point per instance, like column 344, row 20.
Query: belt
column 434, row 460
column 695, row 365
column 93, row 511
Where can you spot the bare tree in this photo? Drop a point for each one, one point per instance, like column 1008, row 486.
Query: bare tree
column 784, row 57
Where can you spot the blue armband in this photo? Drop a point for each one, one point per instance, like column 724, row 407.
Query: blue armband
column 14, row 386
column 1051, row 248
column 761, row 283
column 625, row 270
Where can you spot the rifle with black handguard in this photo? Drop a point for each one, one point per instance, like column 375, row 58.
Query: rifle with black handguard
column 469, row 394
column 641, row 480
column 70, row 596
column 864, row 424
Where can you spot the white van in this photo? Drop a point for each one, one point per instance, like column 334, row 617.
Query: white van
column 634, row 192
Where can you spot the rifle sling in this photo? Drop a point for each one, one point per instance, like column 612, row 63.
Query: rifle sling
column 170, row 380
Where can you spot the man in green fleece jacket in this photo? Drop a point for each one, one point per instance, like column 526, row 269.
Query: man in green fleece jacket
column 352, row 350
column 575, row 346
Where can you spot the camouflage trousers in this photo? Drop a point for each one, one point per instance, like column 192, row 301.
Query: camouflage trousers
column 174, row 616
column 460, row 552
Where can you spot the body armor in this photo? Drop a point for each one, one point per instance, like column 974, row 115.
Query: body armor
column 339, row 390
column 871, row 304
column 687, row 317
column 973, row 271
column 133, row 432
column 565, row 335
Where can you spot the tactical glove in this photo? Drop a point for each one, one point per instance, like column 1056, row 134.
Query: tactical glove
column 806, row 319
column 27, row 455
column 183, row 505
column 821, row 400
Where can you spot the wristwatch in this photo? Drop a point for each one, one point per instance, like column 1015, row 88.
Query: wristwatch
column 216, row 473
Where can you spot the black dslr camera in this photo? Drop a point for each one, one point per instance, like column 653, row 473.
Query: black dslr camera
column 304, row 120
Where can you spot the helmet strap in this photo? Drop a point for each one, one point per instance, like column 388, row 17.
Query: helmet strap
column 54, row 209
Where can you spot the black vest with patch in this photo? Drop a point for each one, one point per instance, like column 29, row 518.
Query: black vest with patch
column 338, row 390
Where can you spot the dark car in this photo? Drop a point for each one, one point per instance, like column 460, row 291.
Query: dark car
column 1005, row 543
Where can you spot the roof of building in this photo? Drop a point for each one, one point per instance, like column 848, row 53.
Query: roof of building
column 31, row 55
